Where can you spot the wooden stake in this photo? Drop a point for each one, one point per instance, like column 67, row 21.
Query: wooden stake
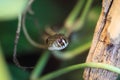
column 105, row 46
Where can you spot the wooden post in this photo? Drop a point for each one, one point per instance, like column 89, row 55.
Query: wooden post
column 105, row 46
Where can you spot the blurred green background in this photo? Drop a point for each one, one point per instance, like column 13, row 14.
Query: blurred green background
column 51, row 13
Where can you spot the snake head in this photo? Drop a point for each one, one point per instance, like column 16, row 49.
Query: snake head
column 57, row 42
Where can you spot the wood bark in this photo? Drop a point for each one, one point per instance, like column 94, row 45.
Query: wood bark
column 105, row 46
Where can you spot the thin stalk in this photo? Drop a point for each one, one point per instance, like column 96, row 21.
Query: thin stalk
column 78, row 66
column 81, row 20
column 30, row 40
column 40, row 66
column 75, row 12
column 20, row 21
column 15, row 60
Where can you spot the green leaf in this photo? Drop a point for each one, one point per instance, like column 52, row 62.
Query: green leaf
column 4, row 72
column 10, row 9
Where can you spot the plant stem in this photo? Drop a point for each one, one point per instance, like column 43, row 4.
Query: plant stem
column 40, row 66
column 15, row 60
column 73, row 24
column 78, row 66
column 81, row 20
column 75, row 12
column 30, row 40
column 23, row 17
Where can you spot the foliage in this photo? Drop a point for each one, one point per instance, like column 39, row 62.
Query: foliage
column 54, row 14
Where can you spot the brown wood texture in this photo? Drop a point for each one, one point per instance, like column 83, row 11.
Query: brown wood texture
column 105, row 46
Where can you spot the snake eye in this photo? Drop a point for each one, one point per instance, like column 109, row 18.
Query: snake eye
column 57, row 42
